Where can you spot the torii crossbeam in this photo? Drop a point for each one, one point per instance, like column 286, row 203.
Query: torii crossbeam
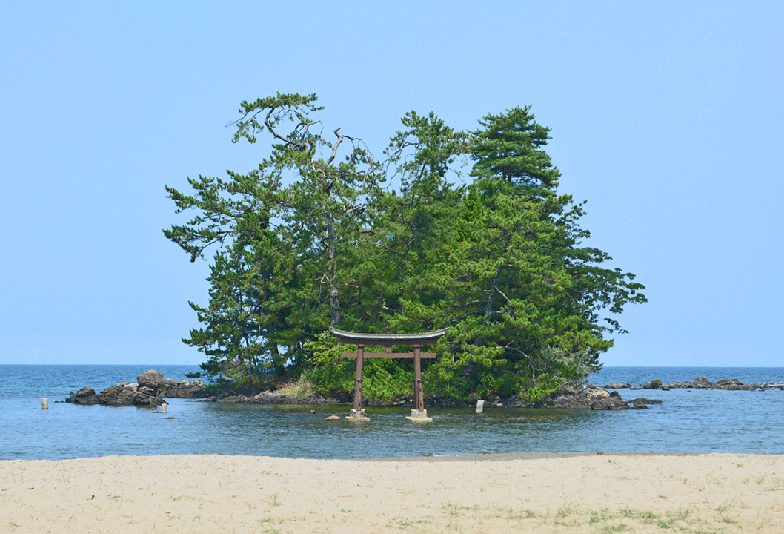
column 389, row 340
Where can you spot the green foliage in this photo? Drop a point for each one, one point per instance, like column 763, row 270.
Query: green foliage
column 382, row 378
column 543, row 386
column 385, row 378
column 329, row 372
column 309, row 240
column 509, row 146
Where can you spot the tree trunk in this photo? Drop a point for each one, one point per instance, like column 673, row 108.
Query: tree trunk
column 334, row 294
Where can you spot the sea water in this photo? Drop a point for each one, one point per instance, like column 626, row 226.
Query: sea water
column 685, row 421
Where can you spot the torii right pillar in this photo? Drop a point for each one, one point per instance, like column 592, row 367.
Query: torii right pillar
column 418, row 414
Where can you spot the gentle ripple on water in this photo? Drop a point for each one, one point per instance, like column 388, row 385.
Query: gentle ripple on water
column 686, row 421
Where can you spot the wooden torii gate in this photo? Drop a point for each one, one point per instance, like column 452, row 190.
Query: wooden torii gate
column 418, row 414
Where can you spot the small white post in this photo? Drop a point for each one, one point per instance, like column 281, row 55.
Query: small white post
column 44, row 404
column 480, row 404
column 164, row 406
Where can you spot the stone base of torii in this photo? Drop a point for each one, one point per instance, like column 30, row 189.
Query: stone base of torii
column 418, row 414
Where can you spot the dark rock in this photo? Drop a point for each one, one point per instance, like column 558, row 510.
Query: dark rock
column 183, row 390
column 656, row 383
column 682, row 385
column 316, row 400
column 231, row 390
column 121, row 394
column 405, row 400
column 609, row 403
column 734, row 385
column 124, row 394
column 152, row 379
column 702, row 382
column 144, row 399
column 618, row 385
column 145, row 390
column 235, row 398
column 84, row 396
column 601, row 399
column 643, row 400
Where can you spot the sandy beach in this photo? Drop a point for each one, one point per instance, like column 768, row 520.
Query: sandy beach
column 511, row 493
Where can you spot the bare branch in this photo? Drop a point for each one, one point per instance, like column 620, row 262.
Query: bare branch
column 502, row 294
column 275, row 133
column 335, row 148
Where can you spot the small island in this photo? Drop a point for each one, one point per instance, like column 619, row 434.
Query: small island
column 324, row 235
column 151, row 389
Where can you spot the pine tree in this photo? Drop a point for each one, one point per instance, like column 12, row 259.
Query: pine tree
column 509, row 146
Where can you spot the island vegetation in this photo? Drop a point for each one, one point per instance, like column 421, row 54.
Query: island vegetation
column 449, row 229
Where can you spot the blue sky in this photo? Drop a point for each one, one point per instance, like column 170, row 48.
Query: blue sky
column 667, row 117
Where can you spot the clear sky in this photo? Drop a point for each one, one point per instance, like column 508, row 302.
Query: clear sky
column 667, row 117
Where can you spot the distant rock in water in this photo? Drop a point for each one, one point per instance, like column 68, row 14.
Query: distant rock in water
column 618, row 385
column 149, row 390
column 701, row 382
column 84, row 396
column 591, row 397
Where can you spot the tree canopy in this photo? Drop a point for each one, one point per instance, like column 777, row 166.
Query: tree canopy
column 324, row 234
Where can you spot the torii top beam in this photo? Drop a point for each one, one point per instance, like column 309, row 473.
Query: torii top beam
column 387, row 340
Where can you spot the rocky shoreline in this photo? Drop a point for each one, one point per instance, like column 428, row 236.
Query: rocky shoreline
column 700, row 382
column 152, row 388
column 590, row 398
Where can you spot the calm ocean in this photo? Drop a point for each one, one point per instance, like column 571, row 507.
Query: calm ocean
column 686, row 421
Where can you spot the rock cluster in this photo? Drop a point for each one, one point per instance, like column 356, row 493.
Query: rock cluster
column 618, row 385
column 700, row 382
column 149, row 390
column 124, row 394
column 590, row 398
column 84, row 396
